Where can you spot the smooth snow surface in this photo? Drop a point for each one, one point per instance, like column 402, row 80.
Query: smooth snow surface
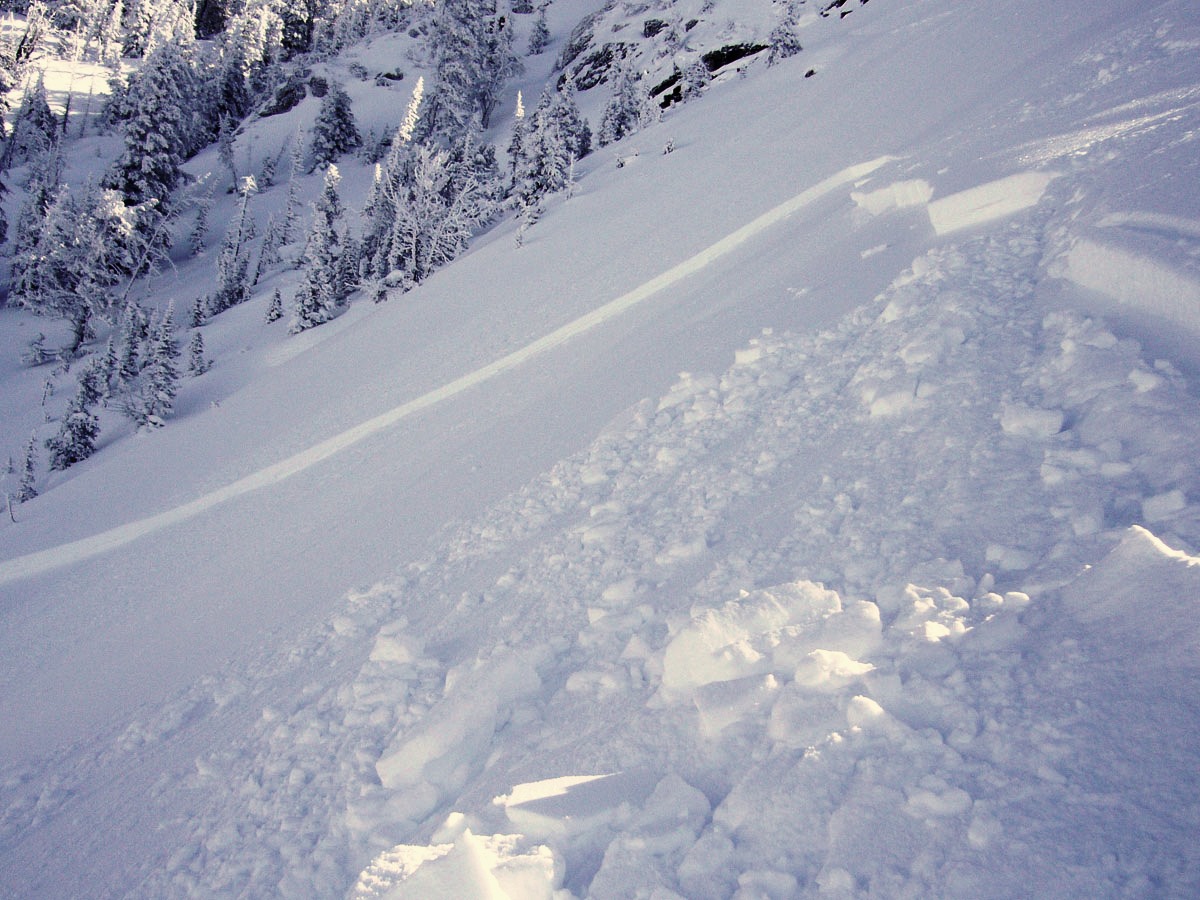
column 809, row 511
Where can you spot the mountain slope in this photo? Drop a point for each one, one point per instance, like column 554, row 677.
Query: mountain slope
column 944, row 444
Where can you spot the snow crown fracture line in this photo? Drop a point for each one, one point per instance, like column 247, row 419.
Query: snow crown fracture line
column 65, row 554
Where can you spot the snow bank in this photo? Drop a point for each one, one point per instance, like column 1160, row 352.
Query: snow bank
column 1146, row 596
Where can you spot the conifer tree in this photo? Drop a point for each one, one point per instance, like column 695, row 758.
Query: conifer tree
column 319, row 295
column 516, row 144
column 545, row 161
column 629, row 109
column 76, row 437
column 233, row 285
column 27, row 489
column 436, row 213
column 268, row 253
column 334, row 132
column 156, row 135
column 199, row 233
column 275, row 307
column 539, row 35
column 197, row 364
column 134, row 333
column 160, row 379
column 110, row 366
column 784, row 39
column 474, row 59
column 84, row 247
column 391, row 175
column 35, row 129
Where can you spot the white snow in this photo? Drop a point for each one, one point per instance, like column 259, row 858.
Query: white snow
column 790, row 515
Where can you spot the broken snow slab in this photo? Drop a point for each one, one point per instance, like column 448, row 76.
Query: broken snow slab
column 560, row 807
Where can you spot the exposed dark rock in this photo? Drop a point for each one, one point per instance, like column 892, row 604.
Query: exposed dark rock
column 723, row 56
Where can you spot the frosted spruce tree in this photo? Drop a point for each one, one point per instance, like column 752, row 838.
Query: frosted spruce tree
column 335, row 131
column 86, row 245
column 785, row 37
column 322, row 289
column 147, row 171
column 27, row 488
column 474, row 59
column 539, row 34
column 76, row 437
column 391, row 176
column 35, row 129
column 629, row 110
column 154, row 400
column 233, row 264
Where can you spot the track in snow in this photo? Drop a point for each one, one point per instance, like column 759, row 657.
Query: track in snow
column 65, row 554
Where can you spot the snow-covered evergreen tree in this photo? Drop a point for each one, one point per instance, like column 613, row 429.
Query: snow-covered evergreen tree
column 233, row 264
column 334, row 132
column 76, row 436
column 275, row 307
column 474, row 58
column 320, row 293
column 197, row 363
column 135, row 330
column 391, row 175
column 516, row 144
column 86, row 245
column 629, row 109
column 154, row 400
column 35, row 128
column 27, row 488
column 440, row 207
column 785, row 39
column 156, row 135
column 539, row 35
column 545, row 160
column 572, row 126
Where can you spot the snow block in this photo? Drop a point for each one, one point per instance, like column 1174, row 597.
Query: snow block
column 496, row 867
column 716, row 645
column 559, row 808
column 441, row 748
column 987, row 202
column 900, row 195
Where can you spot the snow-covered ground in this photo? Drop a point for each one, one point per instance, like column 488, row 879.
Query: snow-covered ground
column 891, row 593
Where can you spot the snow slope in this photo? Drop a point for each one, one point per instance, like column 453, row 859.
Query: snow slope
column 881, row 597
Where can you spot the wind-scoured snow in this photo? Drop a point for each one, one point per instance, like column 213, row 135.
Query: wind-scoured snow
column 809, row 511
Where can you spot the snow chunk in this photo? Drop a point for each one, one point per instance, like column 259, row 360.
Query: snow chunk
column 488, row 867
column 829, row 670
column 1019, row 420
column 723, row 703
column 440, row 748
column 899, row 195
column 987, row 202
column 557, row 808
column 716, row 645
column 1163, row 506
